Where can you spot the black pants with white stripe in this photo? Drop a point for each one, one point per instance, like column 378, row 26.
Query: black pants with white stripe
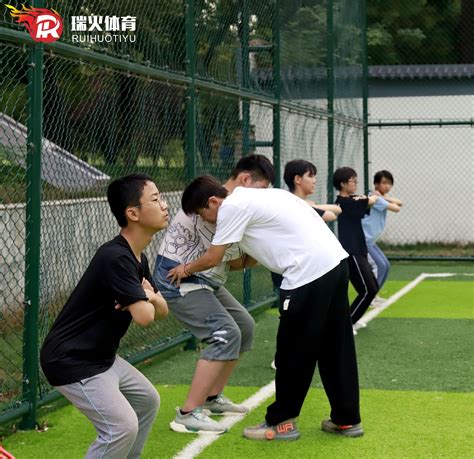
column 315, row 326
column 363, row 280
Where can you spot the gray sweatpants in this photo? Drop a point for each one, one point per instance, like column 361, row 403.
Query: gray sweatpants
column 121, row 403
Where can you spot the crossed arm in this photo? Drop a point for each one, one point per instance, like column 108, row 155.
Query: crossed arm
column 145, row 312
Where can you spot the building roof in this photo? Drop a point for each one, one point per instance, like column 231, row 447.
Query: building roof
column 376, row 72
column 422, row 72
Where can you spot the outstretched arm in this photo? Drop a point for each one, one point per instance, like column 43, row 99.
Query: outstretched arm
column 333, row 208
column 246, row 261
column 393, row 200
column 212, row 257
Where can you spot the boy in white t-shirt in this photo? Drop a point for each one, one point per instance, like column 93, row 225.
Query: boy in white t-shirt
column 315, row 326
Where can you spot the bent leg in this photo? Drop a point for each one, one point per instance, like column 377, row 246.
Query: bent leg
column 363, row 280
column 100, row 400
column 144, row 399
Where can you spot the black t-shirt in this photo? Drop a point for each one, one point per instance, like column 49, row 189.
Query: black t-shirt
column 85, row 336
column 351, row 234
column 319, row 212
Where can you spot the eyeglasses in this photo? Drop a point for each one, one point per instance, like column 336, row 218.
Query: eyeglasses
column 161, row 201
column 354, row 181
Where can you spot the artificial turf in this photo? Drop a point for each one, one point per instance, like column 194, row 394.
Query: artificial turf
column 416, row 376
column 408, row 424
column 436, row 299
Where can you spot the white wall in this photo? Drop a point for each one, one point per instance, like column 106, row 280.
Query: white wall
column 433, row 168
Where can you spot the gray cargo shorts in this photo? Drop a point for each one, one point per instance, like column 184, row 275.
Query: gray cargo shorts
column 217, row 319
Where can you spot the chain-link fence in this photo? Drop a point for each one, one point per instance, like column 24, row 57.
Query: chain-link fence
column 173, row 89
column 421, row 116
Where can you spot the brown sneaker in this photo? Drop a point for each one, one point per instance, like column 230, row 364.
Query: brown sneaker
column 348, row 431
column 285, row 430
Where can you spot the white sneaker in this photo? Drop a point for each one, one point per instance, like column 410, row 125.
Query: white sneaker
column 195, row 422
column 222, row 406
column 360, row 324
column 354, row 331
column 378, row 302
column 273, row 366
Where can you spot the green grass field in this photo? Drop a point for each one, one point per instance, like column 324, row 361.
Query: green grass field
column 416, row 371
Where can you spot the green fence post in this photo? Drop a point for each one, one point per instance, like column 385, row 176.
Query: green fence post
column 276, row 92
column 191, row 160
column 33, row 234
column 365, row 93
column 330, row 96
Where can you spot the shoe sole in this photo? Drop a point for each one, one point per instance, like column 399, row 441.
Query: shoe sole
column 275, row 437
column 176, row 427
column 223, row 413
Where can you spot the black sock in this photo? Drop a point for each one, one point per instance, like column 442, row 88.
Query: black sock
column 211, row 398
column 184, row 412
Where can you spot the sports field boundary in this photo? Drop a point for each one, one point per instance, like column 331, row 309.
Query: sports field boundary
column 199, row 444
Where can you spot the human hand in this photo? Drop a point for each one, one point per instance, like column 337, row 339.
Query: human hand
column 176, row 274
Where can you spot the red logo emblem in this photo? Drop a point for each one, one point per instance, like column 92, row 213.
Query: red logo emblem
column 43, row 25
column 284, row 428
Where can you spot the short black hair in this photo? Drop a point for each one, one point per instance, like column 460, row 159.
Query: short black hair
column 125, row 192
column 342, row 175
column 259, row 167
column 297, row 168
column 197, row 193
column 383, row 174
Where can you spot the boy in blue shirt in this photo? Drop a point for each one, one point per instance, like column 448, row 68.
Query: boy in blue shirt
column 374, row 223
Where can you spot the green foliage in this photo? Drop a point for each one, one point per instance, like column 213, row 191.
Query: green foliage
column 413, row 32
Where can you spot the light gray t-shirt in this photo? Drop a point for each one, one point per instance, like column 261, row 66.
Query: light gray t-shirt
column 186, row 239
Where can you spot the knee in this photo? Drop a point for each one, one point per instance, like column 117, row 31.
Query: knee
column 247, row 331
column 153, row 400
column 224, row 343
column 126, row 430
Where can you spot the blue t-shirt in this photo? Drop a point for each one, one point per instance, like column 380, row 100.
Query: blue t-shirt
column 374, row 224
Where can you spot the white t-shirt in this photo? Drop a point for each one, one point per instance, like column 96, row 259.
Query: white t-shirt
column 281, row 232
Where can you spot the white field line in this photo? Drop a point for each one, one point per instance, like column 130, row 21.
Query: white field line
column 203, row 441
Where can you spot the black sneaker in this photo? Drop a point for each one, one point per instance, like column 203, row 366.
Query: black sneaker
column 348, row 431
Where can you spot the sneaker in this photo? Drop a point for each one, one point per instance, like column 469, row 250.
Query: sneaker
column 348, row 431
column 195, row 422
column 286, row 430
column 354, row 331
column 273, row 366
column 222, row 406
column 377, row 302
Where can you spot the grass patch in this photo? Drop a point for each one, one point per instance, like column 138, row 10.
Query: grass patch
column 397, row 424
column 416, row 354
column 436, row 299
column 406, row 424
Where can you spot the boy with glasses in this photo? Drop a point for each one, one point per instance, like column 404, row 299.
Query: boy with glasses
column 354, row 208
column 79, row 355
